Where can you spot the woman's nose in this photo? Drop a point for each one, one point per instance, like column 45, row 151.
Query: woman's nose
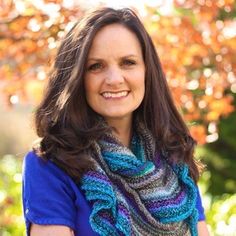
column 114, row 76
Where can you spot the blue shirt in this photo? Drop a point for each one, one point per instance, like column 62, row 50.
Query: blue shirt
column 51, row 197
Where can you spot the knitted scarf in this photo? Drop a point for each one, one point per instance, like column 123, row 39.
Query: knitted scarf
column 135, row 191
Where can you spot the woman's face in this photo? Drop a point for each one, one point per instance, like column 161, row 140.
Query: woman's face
column 115, row 73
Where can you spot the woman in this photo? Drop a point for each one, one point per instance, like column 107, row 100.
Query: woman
column 115, row 156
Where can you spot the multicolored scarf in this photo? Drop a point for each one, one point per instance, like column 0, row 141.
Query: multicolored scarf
column 135, row 191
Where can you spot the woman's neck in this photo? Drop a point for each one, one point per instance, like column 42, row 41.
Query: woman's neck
column 122, row 130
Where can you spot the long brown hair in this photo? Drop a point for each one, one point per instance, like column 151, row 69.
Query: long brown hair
column 67, row 125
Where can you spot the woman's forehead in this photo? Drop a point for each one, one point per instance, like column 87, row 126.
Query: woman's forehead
column 115, row 39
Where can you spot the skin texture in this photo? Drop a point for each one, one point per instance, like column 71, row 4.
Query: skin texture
column 115, row 67
column 50, row 230
column 202, row 229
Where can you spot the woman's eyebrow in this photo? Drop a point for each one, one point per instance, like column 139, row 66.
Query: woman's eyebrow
column 94, row 59
column 130, row 55
column 100, row 59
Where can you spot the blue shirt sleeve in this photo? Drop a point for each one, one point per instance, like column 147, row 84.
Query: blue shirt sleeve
column 201, row 214
column 47, row 197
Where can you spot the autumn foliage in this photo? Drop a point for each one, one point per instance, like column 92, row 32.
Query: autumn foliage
column 197, row 47
column 196, row 44
column 29, row 36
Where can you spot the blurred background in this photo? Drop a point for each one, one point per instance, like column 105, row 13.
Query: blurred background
column 196, row 41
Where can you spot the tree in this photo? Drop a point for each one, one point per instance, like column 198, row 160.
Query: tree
column 30, row 32
column 196, row 44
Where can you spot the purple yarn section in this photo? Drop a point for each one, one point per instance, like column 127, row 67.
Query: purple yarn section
column 131, row 201
column 157, row 160
column 98, row 176
column 123, row 210
column 106, row 216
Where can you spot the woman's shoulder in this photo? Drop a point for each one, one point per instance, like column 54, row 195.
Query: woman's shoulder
column 34, row 166
column 48, row 193
column 34, row 159
column 40, row 176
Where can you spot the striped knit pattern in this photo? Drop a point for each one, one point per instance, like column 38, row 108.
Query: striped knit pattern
column 136, row 192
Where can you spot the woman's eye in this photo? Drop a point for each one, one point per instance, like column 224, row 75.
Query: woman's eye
column 128, row 62
column 95, row 66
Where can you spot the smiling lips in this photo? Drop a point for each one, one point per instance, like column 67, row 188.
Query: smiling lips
column 115, row 94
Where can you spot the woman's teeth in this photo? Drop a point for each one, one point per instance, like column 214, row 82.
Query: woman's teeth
column 115, row 95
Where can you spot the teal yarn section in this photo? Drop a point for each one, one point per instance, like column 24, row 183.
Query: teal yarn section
column 103, row 196
column 183, row 172
column 134, row 194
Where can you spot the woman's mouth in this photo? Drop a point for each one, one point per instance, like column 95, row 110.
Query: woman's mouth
column 115, row 94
